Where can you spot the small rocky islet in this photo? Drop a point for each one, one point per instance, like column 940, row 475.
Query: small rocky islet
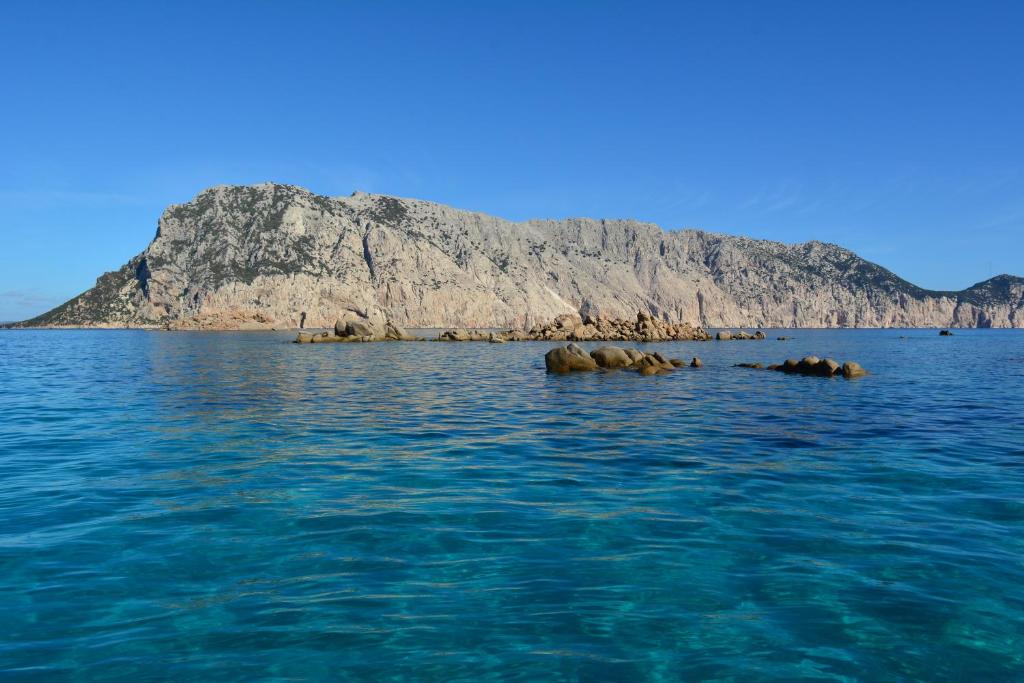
column 572, row 358
column 812, row 366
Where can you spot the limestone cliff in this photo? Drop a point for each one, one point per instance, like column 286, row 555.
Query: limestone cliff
column 261, row 256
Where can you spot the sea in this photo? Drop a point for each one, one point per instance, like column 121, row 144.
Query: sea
column 228, row 506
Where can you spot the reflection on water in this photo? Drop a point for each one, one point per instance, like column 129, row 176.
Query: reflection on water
column 231, row 506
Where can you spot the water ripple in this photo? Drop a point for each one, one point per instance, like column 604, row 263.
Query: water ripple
column 233, row 507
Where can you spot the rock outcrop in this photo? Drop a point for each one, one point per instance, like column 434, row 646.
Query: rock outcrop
column 726, row 335
column 572, row 327
column 813, row 366
column 572, row 358
column 358, row 325
column 279, row 256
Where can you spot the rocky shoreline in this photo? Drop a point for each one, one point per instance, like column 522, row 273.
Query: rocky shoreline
column 359, row 325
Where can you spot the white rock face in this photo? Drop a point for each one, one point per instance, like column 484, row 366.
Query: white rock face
column 261, row 256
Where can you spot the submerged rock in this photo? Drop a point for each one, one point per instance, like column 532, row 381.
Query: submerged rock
column 945, row 333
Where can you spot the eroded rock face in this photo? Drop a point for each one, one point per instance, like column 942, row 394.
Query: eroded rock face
column 260, row 256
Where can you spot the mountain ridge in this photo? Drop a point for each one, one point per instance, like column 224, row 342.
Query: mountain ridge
column 239, row 256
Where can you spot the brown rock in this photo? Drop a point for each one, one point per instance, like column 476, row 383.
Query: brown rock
column 827, row 368
column 807, row 365
column 611, row 357
column 561, row 360
column 696, row 363
column 634, row 355
column 852, row 369
column 789, row 365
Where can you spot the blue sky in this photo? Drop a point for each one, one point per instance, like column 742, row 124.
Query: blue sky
column 895, row 129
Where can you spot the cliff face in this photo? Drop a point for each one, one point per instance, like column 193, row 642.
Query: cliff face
column 260, row 256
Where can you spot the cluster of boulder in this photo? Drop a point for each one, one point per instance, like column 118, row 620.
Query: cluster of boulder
column 572, row 358
column 726, row 335
column 814, row 366
column 945, row 333
column 460, row 334
column 358, row 325
column 573, row 327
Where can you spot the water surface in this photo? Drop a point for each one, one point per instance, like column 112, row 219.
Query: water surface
column 231, row 507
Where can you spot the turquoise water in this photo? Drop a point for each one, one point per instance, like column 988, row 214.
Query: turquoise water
column 231, row 507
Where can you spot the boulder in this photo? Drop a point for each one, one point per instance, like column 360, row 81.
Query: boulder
column 634, row 355
column 945, row 333
column 852, row 369
column 807, row 365
column 723, row 335
column 562, row 359
column 789, row 365
column 696, row 363
column 677, row 363
column 359, row 328
column 395, row 332
column 457, row 334
column 577, row 350
column 827, row 368
column 304, row 338
column 759, row 335
column 754, row 366
column 649, row 370
column 357, row 322
column 568, row 321
column 611, row 357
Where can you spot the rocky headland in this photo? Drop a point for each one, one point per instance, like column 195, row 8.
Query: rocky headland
column 277, row 256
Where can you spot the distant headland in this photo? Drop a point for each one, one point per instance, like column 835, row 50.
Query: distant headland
column 278, row 256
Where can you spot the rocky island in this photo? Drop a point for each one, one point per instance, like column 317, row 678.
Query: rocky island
column 278, row 256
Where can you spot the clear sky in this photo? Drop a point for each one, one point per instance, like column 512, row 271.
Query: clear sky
column 893, row 128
